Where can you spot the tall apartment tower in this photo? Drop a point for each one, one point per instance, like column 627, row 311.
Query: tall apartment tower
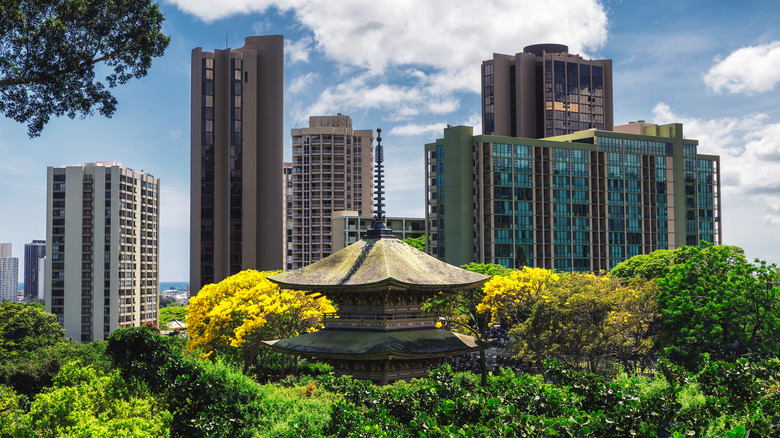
column 33, row 253
column 102, row 231
column 545, row 91
column 236, row 179
column 579, row 202
column 332, row 171
column 9, row 274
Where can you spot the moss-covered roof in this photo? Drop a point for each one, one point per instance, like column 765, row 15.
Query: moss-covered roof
column 368, row 345
column 379, row 263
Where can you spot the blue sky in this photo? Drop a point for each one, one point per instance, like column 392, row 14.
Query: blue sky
column 411, row 67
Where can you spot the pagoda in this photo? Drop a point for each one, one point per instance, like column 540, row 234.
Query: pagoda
column 378, row 285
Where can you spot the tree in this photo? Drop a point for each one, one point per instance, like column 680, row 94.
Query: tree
column 245, row 309
column 417, row 243
column 50, row 49
column 509, row 299
column 168, row 314
column 87, row 402
column 460, row 308
column 719, row 303
column 25, row 328
column 521, row 258
column 585, row 318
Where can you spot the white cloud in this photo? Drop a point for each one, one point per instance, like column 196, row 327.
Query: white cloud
column 441, row 42
column 301, row 82
column 747, row 70
column 298, row 51
column 435, row 129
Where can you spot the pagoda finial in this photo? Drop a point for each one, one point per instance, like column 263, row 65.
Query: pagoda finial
column 379, row 228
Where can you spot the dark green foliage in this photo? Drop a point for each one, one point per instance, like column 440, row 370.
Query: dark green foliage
column 521, row 258
column 25, row 328
column 30, row 372
column 49, row 50
column 205, row 399
column 721, row 399
column 717, row 302
column 416, row 242
column 487, row 269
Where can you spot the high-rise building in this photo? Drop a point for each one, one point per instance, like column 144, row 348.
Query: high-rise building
column 287, row 200
column 347, row 227
column 9, row 274
column 580, row 202
column 236, row 170
column 545, row 91
column 33, row 253
column 102, row 231
column 332, row 171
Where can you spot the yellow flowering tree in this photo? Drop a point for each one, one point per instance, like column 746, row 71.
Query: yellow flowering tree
column 245, row 309
column 510, row 298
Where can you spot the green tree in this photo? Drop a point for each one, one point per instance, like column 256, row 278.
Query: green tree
column 719, row 303
column 417, row 243
column 460, row 308
column 26, row 328
column 521, row 258
column 588, row 319
column 86, row 402
column 50, row 49
column 168, row 314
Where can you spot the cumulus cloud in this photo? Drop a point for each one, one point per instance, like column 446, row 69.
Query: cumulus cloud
column 301, row 82
column 440, row 42
column 298, row 51
column 435, row 129
column 748, row 70
column 749, row 148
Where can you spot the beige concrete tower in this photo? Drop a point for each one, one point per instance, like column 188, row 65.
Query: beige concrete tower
column 102, row 226
column 332, row 171
column 545, row 91
column 236, row 180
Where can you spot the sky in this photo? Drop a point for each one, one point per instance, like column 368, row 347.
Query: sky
column 411, row 67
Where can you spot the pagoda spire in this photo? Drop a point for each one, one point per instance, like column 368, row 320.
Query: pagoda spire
column 379, row 227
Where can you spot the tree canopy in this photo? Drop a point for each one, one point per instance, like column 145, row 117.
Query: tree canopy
column 719, row 303
column 416, row 242
column 25, row 327
column 50, row 49
column 245, row 309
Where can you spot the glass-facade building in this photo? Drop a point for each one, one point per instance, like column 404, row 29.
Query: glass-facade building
column 580, row 202
column 545, row 91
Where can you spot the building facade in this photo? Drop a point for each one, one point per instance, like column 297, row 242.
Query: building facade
column 347, row 227
column 102, row 234
column 236, row 142
column 9, row 274
column 33, row 253
column 545, row 91
column 580, row 202
column 287, row 200
column 332, row 171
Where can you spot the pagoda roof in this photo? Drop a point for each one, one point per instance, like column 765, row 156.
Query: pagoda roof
column 375, row 345
column 380, row 263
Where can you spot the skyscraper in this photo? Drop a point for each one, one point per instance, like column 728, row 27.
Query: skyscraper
column 33, row 253
column 102, row 231
column 9, row 274
column 332, row 171
column 236, row 169
column 545, row 91
column 580, row 202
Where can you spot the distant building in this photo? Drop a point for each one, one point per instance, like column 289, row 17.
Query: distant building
column 236, row 152
column 9, row 274
column 332, row 171
column 102, row 231
column 33, row 253
column 545, row 91
column 347, row 227
column 580, row 202
column 287, row 204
